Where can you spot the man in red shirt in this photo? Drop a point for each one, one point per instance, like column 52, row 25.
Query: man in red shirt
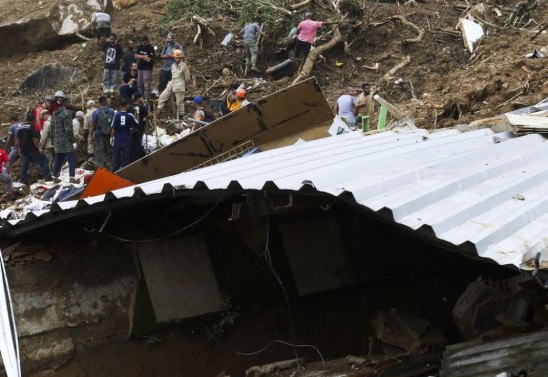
column 306, row 33
column 6, row 177
column 38, row 121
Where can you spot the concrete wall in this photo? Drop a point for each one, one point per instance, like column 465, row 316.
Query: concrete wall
column 78, row 298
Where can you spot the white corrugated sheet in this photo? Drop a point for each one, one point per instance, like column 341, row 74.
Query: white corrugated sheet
column 464, row 188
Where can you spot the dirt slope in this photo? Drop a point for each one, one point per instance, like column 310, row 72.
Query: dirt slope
column 451, row 85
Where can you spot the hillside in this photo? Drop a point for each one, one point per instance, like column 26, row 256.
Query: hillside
column 442, row 83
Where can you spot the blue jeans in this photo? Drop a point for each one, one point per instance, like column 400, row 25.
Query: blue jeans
column 110, row 79
column 60, row 160
column 36, row 158
column 121, row 155
column 14, row 154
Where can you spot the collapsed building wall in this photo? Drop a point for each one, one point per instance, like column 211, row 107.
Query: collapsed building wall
column 194, row 251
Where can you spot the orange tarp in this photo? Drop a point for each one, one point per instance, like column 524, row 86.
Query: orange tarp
column 104, row 181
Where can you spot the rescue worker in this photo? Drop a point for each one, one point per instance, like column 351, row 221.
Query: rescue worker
column 236, row 100
column 180, row 73
column 168, row 60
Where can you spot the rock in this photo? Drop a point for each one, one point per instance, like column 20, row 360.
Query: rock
column 30, row 28
column 49, row 351
column 123, row 4
column 51, row 76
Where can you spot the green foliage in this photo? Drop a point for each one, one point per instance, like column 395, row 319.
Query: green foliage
column 244, row 10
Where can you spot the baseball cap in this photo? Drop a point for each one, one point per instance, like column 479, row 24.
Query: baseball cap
column 80, row 114
column 198, row 99
column 90, row 103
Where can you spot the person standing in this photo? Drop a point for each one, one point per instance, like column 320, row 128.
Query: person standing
column 77, row 125
column 365, row 104
column 12, row 137
column 38, row 121
column 128, row 57
column 345, row 107
column 249, row 33
column 140, row 112
column 113, row 54
column 168, row 60
column 180, row 73
column 89, row 136
column 46, row 144
column 28, row 140
column 145, row 62
column 307, row 30
column 101, row 124
column 64, row 142
column 120, row 137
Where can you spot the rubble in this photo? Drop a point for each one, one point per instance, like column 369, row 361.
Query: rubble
column 491, row 309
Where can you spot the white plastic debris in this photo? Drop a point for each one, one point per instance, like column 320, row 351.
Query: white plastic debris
column 227, row 39
column 471, row 32
column 338, row 127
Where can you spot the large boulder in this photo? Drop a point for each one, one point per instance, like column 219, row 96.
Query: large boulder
column 52, row 76
column 29, row 26
column 123, row 4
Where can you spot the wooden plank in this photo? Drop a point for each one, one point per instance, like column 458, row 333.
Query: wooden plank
column 278, row 115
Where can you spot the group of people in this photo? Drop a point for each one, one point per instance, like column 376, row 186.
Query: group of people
column 135, row 63
column 352, row 108
column 50, row 134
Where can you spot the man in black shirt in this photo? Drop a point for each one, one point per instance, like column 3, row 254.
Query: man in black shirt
column 145, row 61
column 140, row 111
column 113, row 54
column 128, row 58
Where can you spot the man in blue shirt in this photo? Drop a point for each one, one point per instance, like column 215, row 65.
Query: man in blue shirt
column 120, row 136
column 168, row 60
column 12, row 135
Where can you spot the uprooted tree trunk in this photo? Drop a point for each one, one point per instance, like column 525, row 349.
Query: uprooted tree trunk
column 299, row 5
column 308, row 64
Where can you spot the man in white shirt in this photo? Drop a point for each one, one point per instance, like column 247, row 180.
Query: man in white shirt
column 345, row 107
column 100, row 24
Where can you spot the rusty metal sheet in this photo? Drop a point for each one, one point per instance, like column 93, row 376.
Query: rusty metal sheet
column 280, row 114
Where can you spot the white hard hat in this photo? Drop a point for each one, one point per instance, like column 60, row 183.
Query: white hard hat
column 79, row 114
column 59, row 93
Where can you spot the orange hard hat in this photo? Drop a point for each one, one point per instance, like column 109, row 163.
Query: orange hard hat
column 177, row 53
column 241, row 93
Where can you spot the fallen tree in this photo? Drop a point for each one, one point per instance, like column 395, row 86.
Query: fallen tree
column 308, row 64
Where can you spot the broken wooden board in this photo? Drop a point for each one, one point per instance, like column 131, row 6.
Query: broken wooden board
column 275, row 116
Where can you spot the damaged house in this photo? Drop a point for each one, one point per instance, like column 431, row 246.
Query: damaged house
column 388, row 246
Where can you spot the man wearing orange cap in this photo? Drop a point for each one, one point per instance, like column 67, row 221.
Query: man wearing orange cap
column 180, row 75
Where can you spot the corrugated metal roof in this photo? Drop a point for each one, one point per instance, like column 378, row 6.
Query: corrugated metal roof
column 483, row 196
column 508, row 357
